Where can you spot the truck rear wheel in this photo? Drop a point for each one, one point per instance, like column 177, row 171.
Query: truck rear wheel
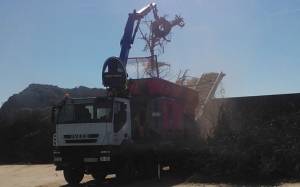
column 73, row 176
column 125, row 173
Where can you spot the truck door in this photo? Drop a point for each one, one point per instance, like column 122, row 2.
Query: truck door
column 121, row 120
column 120, row 115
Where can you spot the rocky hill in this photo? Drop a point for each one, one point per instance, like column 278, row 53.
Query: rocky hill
column 25, row 128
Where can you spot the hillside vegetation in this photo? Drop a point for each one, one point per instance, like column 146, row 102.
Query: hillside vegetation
column 25, row 128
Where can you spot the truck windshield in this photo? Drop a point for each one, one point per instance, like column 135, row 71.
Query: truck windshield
column 85, row 113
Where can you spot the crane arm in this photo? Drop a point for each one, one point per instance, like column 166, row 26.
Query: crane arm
column 146, row 9
column 130, row 32
column 114, row 73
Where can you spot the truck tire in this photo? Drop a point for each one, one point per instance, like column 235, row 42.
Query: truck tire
column 125, row 172
column 148, row 166
column 73, row 176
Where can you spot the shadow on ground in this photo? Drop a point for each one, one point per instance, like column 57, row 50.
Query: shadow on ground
column 167, row 179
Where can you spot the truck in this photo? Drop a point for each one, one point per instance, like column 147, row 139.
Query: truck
column 138, row 127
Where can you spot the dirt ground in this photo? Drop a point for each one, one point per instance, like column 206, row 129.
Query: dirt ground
column 46, row 176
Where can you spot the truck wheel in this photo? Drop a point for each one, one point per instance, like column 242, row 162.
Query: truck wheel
column 125, row 172
column 148, row 166
column 73, row 176
column 99, row 176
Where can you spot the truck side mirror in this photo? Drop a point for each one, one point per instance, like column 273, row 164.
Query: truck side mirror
column 53, row 114
column 52, row 117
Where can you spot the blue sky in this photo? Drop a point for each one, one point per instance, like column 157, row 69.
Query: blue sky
column 65, row 43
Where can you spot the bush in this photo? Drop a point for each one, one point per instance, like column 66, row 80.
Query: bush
column 27, row 138
column 249, row 145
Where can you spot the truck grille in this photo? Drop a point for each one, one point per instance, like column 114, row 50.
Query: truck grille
column 81, row 138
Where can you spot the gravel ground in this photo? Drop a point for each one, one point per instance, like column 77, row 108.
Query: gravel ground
column 46, row 176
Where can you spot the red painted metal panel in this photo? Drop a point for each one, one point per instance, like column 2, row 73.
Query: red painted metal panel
column 161, row 87
column 172, row 119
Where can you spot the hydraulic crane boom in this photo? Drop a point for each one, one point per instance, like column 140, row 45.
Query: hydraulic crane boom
column 129, row 33
column 114, row 73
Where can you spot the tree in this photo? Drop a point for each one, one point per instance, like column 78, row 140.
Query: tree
column 158, row 34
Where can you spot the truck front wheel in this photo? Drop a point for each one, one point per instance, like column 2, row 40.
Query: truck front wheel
column 125, row 172
column 73, row 176
column 148, row 166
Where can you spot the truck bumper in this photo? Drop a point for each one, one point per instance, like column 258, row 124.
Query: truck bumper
column 88, row 159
